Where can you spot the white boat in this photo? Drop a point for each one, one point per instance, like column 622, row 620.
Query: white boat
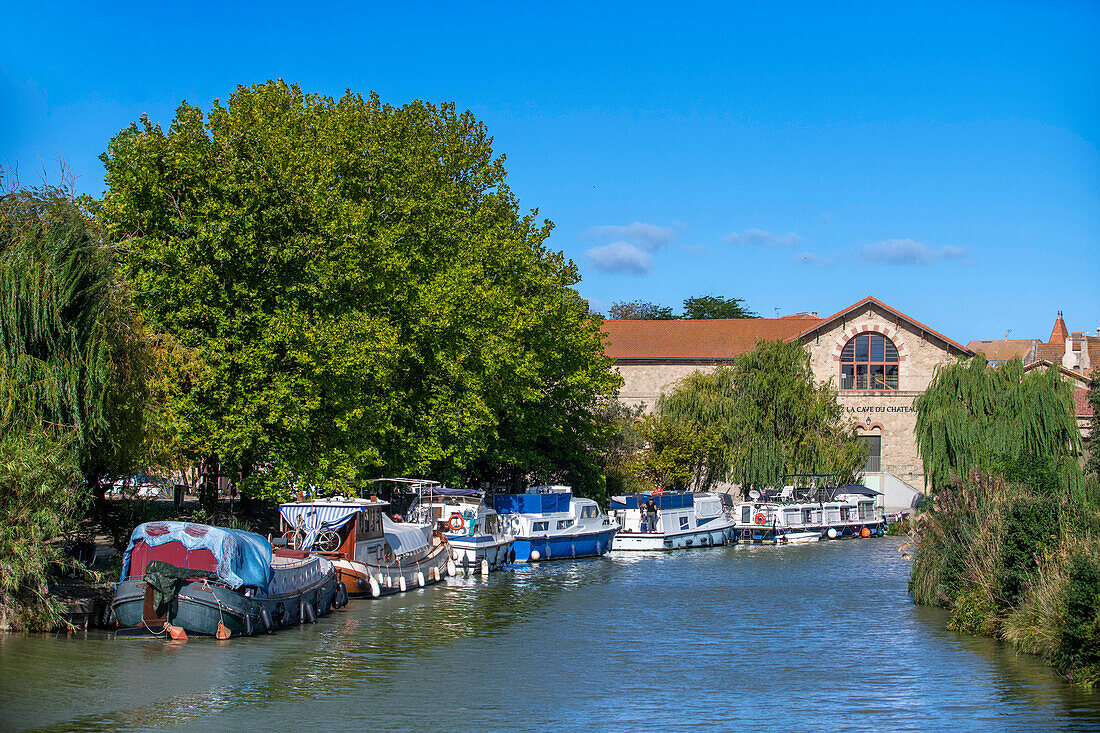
column 677, row 519
column 373, row 554
column 478, row 538
column 549, row 523
column 794, row 514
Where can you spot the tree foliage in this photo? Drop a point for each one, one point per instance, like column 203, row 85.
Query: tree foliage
column 698, row 308
column 1003, row 421
column 715, row 306
column 72, row 400
column 1094, row 425
column 762, row 418
column 640, row 310
column 360, row 287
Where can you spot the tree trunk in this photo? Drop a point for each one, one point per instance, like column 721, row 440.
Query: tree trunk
column 208, row 490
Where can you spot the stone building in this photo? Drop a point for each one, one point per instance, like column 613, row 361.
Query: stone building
column 878, row 358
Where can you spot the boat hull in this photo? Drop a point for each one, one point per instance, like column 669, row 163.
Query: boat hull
column 756, row 534
column 376, row 580
column 649, row 541
column 563, row 547
column 469, row 552
column 199, row 608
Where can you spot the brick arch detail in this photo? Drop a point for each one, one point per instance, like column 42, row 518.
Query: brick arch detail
column 867, row 327
column 873, row 426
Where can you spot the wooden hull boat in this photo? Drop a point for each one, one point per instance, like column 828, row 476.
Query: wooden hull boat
column 373, row 555
column 181, row 579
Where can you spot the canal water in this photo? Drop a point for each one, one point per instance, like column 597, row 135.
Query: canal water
column 754, row 638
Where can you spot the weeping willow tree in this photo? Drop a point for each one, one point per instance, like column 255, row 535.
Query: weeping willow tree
column 70, row 386
column 764, row 417
column 1007, row 421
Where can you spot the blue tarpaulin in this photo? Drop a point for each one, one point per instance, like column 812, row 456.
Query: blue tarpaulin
column 243, row 558
column 532, row 503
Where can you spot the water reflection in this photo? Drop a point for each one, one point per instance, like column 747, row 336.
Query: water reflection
column 766, row 638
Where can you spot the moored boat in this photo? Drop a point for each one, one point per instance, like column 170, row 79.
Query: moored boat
column 182, row 578
column 796, row 515
column 549, row 523
column 667, row 520
column 373, row 554
column 475, row 532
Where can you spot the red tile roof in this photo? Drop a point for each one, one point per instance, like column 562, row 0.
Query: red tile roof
column 878, row 303
column 704, row 339
column 1081, row 403
column 1001, row 349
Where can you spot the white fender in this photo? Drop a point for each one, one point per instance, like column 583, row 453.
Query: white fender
column 375, row 589
column 420, row 579
column 451, row 569
column 535, row 555
column 831, row 533
column 401, row 584
column 484, row 567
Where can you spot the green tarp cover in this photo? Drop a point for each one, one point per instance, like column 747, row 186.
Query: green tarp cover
column 163, row 576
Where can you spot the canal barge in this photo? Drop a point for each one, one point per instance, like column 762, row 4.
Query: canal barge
column 477, row 535
column 668, row 520
column 796, row 515
column 374, row 555
column 181, row 578
column 549, row 523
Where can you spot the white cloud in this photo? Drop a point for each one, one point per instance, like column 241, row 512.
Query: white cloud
column 759, row 237
column 908, row 252
column 621, row 257
column 645, row 237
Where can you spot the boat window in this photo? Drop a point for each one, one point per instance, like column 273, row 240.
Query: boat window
column 866, row 510
column 746, row 514
column 565, row 523
column 807, row 516
column 587, row 512
column 792, row 516
column 540, row 526
column 845, row 514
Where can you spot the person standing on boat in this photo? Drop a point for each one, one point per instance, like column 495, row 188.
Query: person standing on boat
column 651, row 514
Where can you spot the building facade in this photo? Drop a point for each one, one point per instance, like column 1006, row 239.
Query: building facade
column 879, row 359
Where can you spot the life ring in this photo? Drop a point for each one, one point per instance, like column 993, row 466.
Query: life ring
column 457, row 527
column 760, row 518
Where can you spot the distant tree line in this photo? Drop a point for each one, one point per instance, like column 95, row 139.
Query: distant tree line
column 698, row 308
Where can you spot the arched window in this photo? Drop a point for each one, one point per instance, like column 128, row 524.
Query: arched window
column 869, row 361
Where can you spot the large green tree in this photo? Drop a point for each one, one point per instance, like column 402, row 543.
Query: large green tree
column 1005, row 421
column 362, row 291
column 762, row 418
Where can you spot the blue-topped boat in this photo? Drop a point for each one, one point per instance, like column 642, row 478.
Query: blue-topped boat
column 180, row 578
column 667, row 520
column 549, row 523
column 476, row 533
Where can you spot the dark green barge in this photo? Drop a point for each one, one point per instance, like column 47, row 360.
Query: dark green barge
column 180, row 578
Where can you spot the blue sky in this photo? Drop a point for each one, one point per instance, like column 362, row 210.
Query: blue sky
column 941, row 157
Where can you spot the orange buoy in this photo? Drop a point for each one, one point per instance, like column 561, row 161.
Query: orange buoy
column 176, row 632
column 865, row 533
column 223, row 631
